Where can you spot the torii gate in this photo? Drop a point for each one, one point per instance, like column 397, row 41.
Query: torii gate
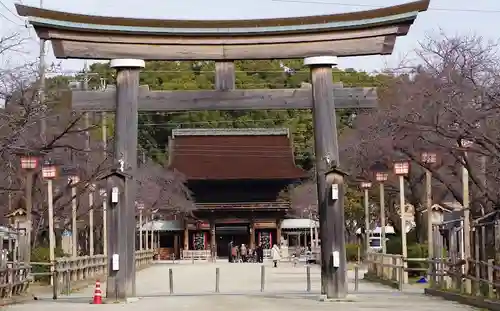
column 128, row 42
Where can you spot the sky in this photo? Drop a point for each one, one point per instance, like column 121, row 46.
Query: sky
column 452, row 17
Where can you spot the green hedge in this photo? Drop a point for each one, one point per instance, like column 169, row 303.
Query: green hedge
column 41, row 254
column 351, row 251
column 414, row 250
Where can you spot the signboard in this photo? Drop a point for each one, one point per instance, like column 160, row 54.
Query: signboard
column 335, row 192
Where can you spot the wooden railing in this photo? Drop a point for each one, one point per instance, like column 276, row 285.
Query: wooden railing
column 14, row 280
column 482, row 277
column 196, row 254
column 244, row 205
column 69, row 272
column 386, row 268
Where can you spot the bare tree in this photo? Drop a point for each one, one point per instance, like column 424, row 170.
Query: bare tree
column 65, row 144
column 452, row 95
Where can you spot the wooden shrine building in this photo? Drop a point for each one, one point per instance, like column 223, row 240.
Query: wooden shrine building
column 236, row 199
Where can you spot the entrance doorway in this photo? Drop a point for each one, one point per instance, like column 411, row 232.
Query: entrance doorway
column 225, row 234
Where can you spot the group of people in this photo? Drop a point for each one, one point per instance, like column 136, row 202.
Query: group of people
column 243, row 253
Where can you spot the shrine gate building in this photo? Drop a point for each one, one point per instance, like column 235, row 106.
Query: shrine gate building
column 236, row 199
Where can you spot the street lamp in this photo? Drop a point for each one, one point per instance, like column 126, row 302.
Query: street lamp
column 466, row 227
column 49, row 172
column 153, row 212
column 92, row 188
column 401, row 169
column 366, row 185
column 104, row 195
column 381, row 176
column 140, row 207
column 74, row 180
column 29, row 163
column 429, row 158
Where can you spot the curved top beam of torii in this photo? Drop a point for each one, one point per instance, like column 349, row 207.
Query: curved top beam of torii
column 96, row 37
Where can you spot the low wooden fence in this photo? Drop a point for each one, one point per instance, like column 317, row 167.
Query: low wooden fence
column 392, row 269
column 69, row 272
column 196, row 254
column 481, row 280
column 14, row 279
column 446, row 277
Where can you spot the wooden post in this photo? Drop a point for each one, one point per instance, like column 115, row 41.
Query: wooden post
column 104, row 137
column 251, row 230
column 213, row 246
column 29, row 216
column 146, row 232
column 331, row 215
column 125, row 152
column 74, row 228
column 490, row 278
column 186, row 236
column 176, row 244
column 91, row 222
column 367, row 222
column 91, row 194
column 477, row 262
column 278, row 232
column 497, row 255
column 383, row 241
column 466, row 226
column 152, row 232
column 428, row 200
column 224, row 76
column 140, row 229
column 316, row 238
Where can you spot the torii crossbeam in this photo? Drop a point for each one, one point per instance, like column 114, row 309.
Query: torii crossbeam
column 357, row 98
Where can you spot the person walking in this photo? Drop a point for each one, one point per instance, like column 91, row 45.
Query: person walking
column 243, row 252
column 230, row 251
column 275, row 254
column 234, row 253
column 259, row 251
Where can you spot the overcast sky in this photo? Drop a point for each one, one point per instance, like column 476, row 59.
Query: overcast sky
column 451, row 16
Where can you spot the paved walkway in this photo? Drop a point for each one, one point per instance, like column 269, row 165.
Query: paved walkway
column 285, row 289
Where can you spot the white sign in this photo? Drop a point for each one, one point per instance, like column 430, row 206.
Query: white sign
column 122, row 165
column 336, row 259
column 114, row 195
column 115, row 262
column 335, row 192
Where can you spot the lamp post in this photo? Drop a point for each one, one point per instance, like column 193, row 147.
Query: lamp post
column 104, row 195
column 402, row 168
column 153, row 212
column 429, row 158
column 437, row 219
column 74, row 180
column 92, row 188
column 49, row 172
column 466, row 222
column 29, row 164
column 366, row 185
column 381, row 176
column 140, row 207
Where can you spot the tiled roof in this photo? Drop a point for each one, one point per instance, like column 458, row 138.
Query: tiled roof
column 224, row 154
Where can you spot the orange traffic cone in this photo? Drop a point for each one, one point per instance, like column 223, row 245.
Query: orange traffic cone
column 97, row 293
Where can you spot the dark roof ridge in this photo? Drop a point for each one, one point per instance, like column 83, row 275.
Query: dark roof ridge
column 231, row 132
